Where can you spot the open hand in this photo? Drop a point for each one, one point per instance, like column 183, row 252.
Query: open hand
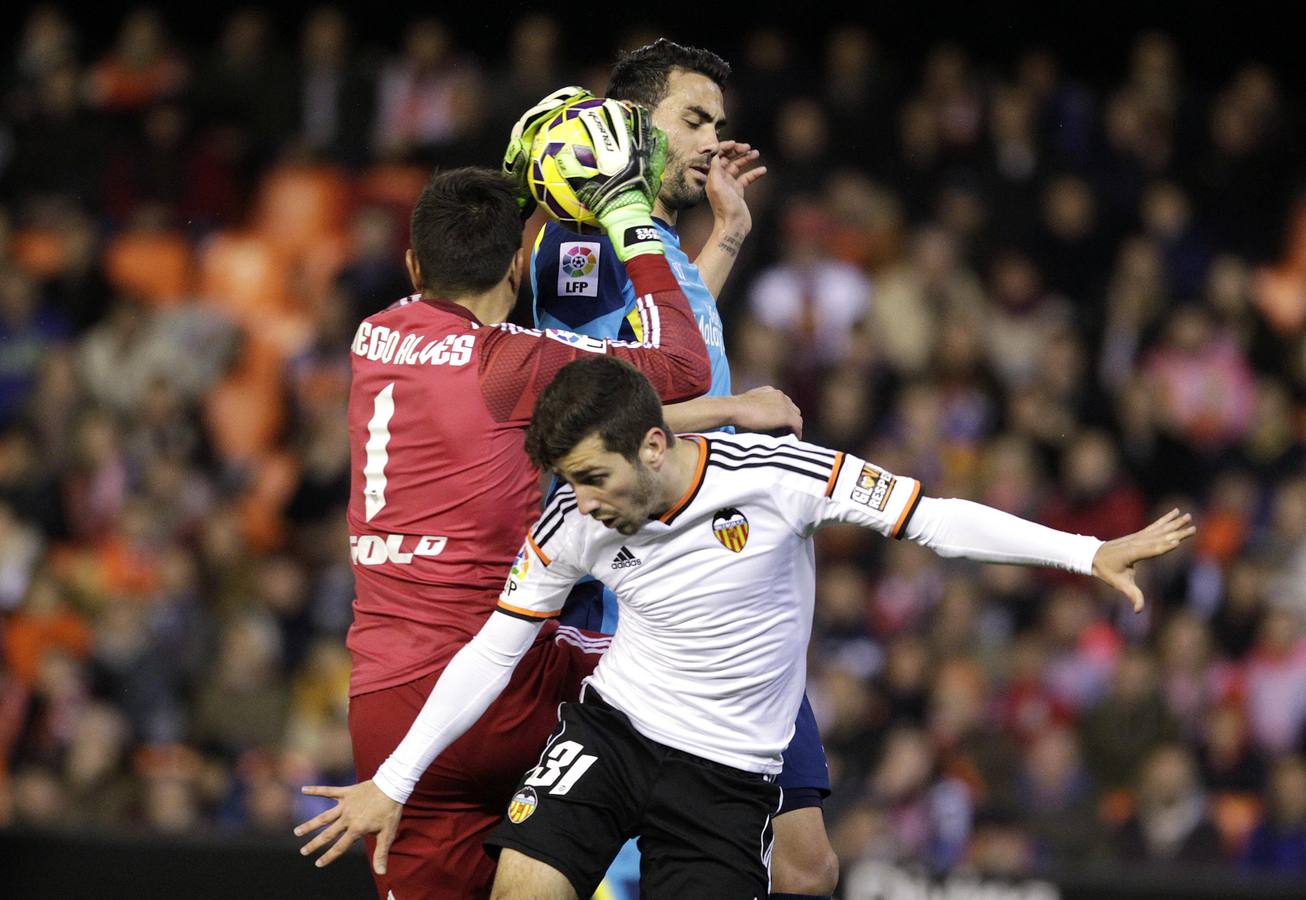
column 732, row 169
column 360, row 809
column 1114, row 562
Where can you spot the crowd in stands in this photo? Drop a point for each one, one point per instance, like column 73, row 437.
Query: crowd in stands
column 1078, row 299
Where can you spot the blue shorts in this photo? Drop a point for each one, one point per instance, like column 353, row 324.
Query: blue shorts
column 805, row 778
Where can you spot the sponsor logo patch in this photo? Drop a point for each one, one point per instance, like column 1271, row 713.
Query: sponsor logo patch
column 522, row 564
column 639, row 234
column 579, row 341
column 730, row 527
column 873, row 488
column 522, row 805
column 578, row 269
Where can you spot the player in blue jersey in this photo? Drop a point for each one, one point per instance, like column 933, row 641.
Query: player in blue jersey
column 580, row 285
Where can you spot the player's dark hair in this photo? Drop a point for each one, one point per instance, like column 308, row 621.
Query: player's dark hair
column 641, row 75
column 595, row 395
column 465, row 228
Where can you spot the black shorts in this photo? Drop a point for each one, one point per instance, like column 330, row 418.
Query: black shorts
column 704, row 829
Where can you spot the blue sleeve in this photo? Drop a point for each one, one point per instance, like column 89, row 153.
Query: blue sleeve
column 580, row 285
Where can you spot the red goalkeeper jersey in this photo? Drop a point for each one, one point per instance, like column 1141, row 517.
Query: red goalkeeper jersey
column 442, row 491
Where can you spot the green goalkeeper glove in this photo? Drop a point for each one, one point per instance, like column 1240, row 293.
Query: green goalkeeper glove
column 623, row 202
column 517, row 158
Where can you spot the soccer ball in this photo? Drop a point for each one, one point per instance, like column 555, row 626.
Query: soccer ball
column 582, row 143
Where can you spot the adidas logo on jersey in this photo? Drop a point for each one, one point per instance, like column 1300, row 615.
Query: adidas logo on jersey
column 625, row 559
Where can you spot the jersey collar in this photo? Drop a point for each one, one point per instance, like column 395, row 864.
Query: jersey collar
column 668, row 227
column 450, row 307
column 688, row 497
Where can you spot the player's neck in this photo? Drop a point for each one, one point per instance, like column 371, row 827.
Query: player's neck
column 680, row 470
column 664, row 212
column 490, row 308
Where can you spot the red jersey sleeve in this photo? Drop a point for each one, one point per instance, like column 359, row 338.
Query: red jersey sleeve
column 517, row 364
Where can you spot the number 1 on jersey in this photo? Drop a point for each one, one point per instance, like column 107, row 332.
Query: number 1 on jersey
column 378, row 430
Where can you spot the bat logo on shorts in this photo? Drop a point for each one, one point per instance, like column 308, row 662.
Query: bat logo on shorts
column 521, row 805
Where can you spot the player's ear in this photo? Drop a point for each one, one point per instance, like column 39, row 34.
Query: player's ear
column 654, row 448
column 517, row 269
column 414, row 269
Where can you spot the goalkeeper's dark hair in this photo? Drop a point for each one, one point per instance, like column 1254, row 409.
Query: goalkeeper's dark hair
column 640, row 76
column 465, row 228
column 595, row 395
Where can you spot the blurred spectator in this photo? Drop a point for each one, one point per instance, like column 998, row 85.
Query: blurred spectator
column 927, row 817
column 334, row 98
column 242, row 702
column 1276, row 682
column 1054, row 792
column 374, row 277
column 59, row 145
column 78, row 287
column 803, row 149
column 930, row 284
column 243, row 84
column 142, row 67
column 1167, row 217
column 27, row 332
column 1228, row 758
column 533, row 69
column 1204, row 386
column 1073, row 247
column 816, row 300
column 1279, row 843
column 1022, row 318
column 427, row 98
column 95, row 771
column 1026, row 709
column 1129, row 724
column 1094, row 496
column 1171, row 822
column 20, row 550
column 857, row 84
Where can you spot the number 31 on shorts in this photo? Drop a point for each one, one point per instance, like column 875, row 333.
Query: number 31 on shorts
column 562, row 766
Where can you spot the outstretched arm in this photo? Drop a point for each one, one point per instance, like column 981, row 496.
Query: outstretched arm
column 844, row 488
column 761, row 409
column 974, row 531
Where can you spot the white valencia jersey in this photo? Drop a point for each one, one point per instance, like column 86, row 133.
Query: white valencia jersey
column 716, row 595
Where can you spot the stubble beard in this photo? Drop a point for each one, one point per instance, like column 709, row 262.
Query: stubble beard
column 677, row 193
column 643, row 500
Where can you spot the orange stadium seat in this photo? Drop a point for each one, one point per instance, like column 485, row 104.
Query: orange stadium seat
column 245, row 411
column 1235, row 815
column 40, row 251
column 262, row 508
column 155, row 266
column 300, row 205
column 245, row 275
column 391, row 185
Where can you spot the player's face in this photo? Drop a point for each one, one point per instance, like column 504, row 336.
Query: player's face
column 620, row 494
column 692, row 114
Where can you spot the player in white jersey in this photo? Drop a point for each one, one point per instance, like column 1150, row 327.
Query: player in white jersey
column 707, row 542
